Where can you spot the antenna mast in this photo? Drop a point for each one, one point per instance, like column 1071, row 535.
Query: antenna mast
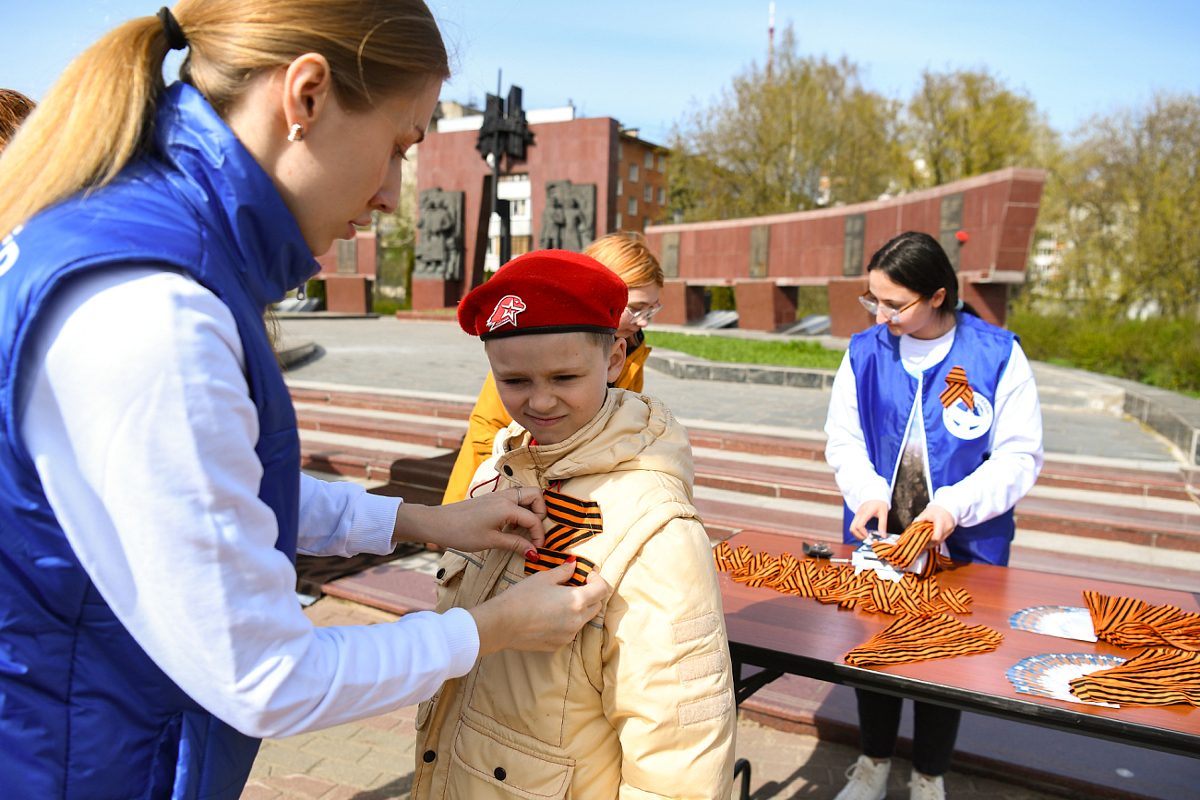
column 770, row 42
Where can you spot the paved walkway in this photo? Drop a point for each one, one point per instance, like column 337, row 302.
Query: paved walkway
column 438, row 357
column 373, row 759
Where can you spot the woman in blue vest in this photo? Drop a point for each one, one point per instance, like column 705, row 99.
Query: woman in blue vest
column 903, row 448
column 151, row 500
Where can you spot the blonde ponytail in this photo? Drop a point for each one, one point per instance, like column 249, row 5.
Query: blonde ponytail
column 99, row 114
column 91, row 123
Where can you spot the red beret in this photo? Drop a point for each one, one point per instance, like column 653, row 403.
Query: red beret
column 546, row 291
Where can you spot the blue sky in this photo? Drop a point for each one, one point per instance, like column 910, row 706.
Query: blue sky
column 646, row 62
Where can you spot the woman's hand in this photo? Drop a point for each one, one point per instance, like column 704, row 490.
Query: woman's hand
column 538, row 614
column 480, row 523
column 872, row 509
column 943, row 523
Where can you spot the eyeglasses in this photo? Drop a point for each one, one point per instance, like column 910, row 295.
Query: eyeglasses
column 644, row 314
column 892, row 314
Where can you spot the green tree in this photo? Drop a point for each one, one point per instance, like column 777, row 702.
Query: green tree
column 1130, row 211
column 968, row 122
column 807, row 136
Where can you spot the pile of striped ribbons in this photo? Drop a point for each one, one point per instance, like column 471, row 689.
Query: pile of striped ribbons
column 1166, row 672
column 924, row 630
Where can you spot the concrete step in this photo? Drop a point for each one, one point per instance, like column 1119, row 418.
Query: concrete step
column 380, row 425
column 424, row 403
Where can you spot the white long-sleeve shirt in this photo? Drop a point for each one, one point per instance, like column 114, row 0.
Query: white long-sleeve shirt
column 996, row 486
column 137, row 415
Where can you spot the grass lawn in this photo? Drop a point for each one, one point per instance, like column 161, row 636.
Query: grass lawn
column 748, row 351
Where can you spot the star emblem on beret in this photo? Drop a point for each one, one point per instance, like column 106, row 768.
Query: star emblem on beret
column 506, row 312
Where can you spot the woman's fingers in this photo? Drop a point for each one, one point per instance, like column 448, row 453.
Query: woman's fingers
column 881, row 520
column 539, row 613
column 529, row 497
column 870, row 510
column 943, row 523
column 522, row 517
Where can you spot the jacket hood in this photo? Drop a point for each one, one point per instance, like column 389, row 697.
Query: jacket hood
column 630, row 432
column 231, row 191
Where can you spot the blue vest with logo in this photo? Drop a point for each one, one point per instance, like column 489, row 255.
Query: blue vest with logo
column 84, row 712
column 957, row 438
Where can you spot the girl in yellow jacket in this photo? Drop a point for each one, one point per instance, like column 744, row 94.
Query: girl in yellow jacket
column 624, row 253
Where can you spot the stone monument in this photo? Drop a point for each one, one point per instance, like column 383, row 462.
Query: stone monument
column 569, row 218
column 439, row 247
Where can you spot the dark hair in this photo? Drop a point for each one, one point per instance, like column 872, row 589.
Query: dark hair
column 917, row 262
column 14, row 108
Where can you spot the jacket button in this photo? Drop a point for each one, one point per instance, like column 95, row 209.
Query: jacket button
column 500, row 773
column 508, row 470
column 441, row 573
column 429, row 756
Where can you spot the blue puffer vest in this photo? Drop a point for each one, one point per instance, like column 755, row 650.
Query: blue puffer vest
column 957, row 439
column 84, row 712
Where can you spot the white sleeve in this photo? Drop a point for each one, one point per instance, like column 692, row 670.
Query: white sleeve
column 1016, row 454
column 846, row 447
column 341, row 519
column 138, row 419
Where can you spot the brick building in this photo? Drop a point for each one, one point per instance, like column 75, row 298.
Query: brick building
column 628, row 175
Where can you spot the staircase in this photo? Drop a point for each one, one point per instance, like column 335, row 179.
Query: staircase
column 1131, row 522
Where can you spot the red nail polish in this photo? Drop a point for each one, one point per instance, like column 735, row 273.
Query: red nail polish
column 532, row 555
column 570, row 559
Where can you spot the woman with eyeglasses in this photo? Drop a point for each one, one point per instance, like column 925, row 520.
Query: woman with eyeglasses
column 625, row 253
column 934, row 416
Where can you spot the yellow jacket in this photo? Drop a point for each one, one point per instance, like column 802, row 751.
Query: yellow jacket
column 489, row 416
column 640, row 704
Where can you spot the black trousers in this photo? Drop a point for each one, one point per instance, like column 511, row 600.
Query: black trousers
column 935, row 729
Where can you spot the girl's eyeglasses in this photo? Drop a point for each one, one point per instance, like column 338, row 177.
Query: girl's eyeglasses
column 644, row 314
column 891, row 314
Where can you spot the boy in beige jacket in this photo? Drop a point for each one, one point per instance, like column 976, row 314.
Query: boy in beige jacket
column 640, row 704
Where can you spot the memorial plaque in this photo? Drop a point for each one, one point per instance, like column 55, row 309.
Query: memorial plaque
column 439, row 248
column 952, row 213
column 569, row 217
column 670, row 255
column 852, row 245
column 760, row 248
column 347, row 256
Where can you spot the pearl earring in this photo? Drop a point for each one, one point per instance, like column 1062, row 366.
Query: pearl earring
column 296, row 134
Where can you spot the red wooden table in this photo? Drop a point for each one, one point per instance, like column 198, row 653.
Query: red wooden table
column 796, row 635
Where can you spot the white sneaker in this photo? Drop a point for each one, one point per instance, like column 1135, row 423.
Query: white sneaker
column 868, row 780
column 922, row 788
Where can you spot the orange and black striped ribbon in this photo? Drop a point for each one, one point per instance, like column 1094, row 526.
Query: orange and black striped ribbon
column 901, row 553
column 1159, row 676
column 838, row 583
column 1127, row 622
column 957, row 388
column 922, row 638
column 572, row 522
column 904, row 551
column 549, row 559
column 923, row 631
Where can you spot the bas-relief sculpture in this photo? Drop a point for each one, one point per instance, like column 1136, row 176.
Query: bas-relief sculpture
column 439, row 246
column 569, row 218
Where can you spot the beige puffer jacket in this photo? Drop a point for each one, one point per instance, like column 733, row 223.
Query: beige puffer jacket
column 640, row 704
